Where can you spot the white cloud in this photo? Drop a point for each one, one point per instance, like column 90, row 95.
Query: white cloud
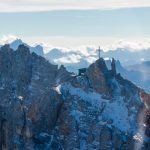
column 86, row 46
column 47, row 5
column 7, row 39
column 132, row 45
column 68, row 59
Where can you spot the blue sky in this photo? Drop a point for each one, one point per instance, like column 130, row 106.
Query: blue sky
column 75, row 26
column 121, row 22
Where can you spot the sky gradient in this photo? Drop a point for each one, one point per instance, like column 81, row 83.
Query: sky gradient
column 49, row 5
column 68, row 25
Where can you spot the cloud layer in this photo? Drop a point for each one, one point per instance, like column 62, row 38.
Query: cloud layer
column 48, row 5
column 128, row 52
column 87, row 49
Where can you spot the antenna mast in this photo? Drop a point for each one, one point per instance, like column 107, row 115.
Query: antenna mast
column 99, row 50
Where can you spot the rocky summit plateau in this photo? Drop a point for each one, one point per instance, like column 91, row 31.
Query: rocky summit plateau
column 44, row 107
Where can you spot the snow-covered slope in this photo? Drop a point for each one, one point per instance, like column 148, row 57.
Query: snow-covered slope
column 94, row 120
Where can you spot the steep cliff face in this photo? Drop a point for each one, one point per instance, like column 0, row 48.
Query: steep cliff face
column 43, row 107
column 89, row 119
column 28, row 103
column 97, row 74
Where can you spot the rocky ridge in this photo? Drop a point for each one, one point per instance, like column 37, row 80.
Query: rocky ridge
column 45, row 107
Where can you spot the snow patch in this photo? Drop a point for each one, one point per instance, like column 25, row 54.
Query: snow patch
column 138, row 137
column 58, row 89
column 117, row 111
column 91, row 97
column 20, row 98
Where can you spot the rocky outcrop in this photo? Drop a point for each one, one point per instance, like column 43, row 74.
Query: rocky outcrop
column 89, row 120
column 146, row 118
column 113, row 66
column 28, row 104
column 44, row 107
column 97, row 75
column 63, row 75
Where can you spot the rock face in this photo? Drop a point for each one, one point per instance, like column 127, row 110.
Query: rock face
column 96, row 74
column 46, row 108
column 113, row 66
column 91, row 120
column 28, row 104
column 146, row 120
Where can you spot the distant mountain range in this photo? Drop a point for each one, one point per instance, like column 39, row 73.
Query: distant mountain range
column 38, row 49
column 133, row 65
column 138, row 73
column 83, row 57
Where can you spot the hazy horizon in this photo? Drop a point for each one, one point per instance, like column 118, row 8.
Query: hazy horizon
column 65, row 24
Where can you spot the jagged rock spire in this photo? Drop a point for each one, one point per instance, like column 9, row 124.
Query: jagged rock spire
column 113, row 66
column 96, row 75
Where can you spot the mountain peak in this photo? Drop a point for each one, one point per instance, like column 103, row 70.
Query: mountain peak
column 41, row 101
column 38, row 49
column 14, row 45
